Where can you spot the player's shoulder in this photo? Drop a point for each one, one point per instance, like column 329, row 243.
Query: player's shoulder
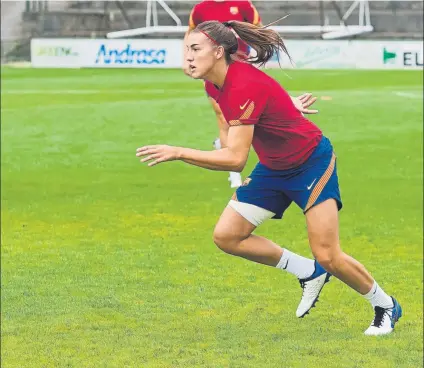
column 201, row 5
column 245, row 74
column 247, row 89
column 249, row 82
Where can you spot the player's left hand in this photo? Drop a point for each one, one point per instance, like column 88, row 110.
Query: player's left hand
column 157, row 154
column 304, row 101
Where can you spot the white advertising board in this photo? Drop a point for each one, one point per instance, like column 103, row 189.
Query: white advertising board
column 352, row 55
column 316, row 54
column 96, row 53
column 57, row 53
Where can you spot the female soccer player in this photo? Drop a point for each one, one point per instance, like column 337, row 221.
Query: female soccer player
column 223, row 11
column 296, row 164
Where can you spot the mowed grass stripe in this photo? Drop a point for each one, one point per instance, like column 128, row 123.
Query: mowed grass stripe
column 106, row 263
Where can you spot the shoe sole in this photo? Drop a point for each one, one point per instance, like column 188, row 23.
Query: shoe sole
column 327, row 279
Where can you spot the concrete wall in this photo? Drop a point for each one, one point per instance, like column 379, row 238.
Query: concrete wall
column 399, row 19
column 11, row 15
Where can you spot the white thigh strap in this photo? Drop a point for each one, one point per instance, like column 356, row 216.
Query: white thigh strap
column 254, row 214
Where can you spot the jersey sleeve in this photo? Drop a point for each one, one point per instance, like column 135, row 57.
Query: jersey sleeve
column 244, row 106
column 195, row 18
column 249, row 12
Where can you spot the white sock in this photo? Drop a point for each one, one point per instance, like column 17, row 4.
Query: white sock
column 378, row 298
column 297, row 265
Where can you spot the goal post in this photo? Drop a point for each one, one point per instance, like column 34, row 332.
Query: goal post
column 360, row 25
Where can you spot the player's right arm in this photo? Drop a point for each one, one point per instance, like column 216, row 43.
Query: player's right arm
column 231, row 158
column 242, row 109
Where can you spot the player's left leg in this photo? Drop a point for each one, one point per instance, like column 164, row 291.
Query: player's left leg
column 321, row 202
column 323, row 232
column 315, row 189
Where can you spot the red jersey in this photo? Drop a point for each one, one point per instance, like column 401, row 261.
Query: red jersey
column 283, row 138
column 225, row 11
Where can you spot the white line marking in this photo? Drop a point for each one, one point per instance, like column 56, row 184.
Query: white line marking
column 140, row 101
column 84, row 91
column 409, row 95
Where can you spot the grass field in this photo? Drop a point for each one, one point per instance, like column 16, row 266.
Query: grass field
column 108, row 263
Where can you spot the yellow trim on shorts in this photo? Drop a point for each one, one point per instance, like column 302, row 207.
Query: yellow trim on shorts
column 321, row 183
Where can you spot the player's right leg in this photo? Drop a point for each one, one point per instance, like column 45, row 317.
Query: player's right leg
column 233, row 235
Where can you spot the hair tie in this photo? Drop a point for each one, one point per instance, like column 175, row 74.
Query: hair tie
column 210, row 37
column 227, row 24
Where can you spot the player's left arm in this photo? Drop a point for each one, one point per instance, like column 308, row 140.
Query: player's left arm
column 303, row 102
column 231, row 158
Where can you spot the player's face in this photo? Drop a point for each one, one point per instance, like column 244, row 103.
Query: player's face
column 201, row 55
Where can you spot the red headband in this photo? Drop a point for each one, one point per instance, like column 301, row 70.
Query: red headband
column 211, row 38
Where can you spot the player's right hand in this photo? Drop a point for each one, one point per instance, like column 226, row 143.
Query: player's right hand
column 158, row 153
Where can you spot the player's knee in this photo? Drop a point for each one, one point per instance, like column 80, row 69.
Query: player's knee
column 225, row 241
column 330, row 260
column 325, row 261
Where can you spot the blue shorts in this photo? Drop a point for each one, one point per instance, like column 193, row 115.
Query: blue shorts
column 307, row 185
